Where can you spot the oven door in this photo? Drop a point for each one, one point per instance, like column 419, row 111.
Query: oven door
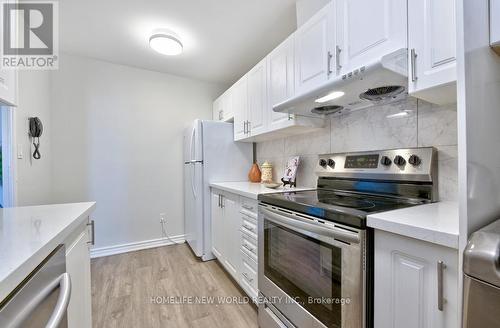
column 311, row 271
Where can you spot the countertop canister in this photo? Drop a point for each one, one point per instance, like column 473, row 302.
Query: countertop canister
column 267, row 172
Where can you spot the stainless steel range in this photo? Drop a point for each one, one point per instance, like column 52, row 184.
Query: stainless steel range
column 315, row 251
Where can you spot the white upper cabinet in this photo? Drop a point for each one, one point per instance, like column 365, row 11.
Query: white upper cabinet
column 367, row 30
column 432, row 50
column 223, row 107
column 258, row 104
column 315, row 50
column 281, row 78
column 217, row 109
column 239, row 102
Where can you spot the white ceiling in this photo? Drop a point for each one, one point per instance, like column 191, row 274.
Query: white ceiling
column 222, row 38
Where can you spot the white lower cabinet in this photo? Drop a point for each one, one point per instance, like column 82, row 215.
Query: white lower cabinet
column 225, row 234
column 412, row 278
column 78, row 267
column 234, row 238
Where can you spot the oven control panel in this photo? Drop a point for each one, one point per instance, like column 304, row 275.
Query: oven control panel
column 415, row 164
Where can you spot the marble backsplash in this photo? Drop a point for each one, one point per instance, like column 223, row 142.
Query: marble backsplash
column 409, row 123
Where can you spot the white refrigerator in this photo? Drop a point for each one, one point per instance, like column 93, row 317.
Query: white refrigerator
column 210, row 155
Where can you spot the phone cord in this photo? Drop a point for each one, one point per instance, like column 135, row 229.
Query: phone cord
column 36, row 153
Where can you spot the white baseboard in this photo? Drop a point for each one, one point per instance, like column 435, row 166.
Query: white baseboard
column 136, row 246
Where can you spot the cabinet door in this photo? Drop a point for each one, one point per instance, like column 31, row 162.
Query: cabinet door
column 432, row 44
column 406, row 283
column 231, row 233
column 257, row 99
column 240, row 108
column 78, row 267
column 280, row 67
column 217, row 110
column 368, row 30
column 217, row 227
column 227, row 105
column 314, row 50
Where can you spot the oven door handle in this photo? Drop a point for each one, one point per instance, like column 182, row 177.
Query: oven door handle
column 301, row 225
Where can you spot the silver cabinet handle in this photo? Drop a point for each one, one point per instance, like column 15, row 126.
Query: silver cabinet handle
column 251, row 249
column 64, row 282
column 245, row 127
column 248, row 228
column 222, row 201
column 338, row 50
column 329, row 64
column 440, row 268
column 220, row 115
column 249, row 127
column 92, row 232
column 247, row 277
column 247, row 207
column 413, row 63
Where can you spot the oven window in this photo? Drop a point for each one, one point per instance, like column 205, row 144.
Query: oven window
column 307, row 269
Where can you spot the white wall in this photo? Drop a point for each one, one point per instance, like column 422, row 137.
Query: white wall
column 34, row 185
column 371, row 129
column 117, row 139
column 307, row 8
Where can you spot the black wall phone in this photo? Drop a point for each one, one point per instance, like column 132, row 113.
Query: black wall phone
column 36, row 129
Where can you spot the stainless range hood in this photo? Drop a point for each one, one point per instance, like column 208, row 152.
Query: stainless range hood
column 381, row 81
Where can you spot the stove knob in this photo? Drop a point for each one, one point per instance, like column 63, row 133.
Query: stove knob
column 385, row 161
column 322, row 162
column 414, row 160
column 331, row 163
column 399, row 160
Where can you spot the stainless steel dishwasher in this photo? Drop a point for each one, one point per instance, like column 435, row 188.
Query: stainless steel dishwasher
column 41, row 300
column 482, row 278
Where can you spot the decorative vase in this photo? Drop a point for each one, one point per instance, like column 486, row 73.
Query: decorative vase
column 254, row 174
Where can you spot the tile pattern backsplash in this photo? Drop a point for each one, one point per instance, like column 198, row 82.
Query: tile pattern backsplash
column 409, row 123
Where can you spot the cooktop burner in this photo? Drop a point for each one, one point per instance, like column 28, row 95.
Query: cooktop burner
column 343, row 207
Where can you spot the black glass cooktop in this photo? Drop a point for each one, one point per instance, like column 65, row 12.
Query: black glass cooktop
column 342, row 207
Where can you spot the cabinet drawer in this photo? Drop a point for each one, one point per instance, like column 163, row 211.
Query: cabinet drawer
column 249, row 274
column 249, row 246
column 251, row 291
column 249, row 205
column 249, row 260
column 249, row 228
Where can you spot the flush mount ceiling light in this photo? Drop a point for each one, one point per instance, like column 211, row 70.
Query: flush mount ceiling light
column 166, row 43
column 330, row 96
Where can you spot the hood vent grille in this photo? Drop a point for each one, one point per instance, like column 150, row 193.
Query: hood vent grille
column 382, row 93
column 327, row 110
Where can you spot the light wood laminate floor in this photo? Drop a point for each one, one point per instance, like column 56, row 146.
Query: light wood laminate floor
column 123, row 285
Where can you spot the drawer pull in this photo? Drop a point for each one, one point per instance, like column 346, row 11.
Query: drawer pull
column 247, row 277
column 249, row 228
column 247, row 207
column 251, row 249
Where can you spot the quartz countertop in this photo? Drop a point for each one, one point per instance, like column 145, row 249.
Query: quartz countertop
column 29, row 234
column 436, row 223
column 251, row 190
